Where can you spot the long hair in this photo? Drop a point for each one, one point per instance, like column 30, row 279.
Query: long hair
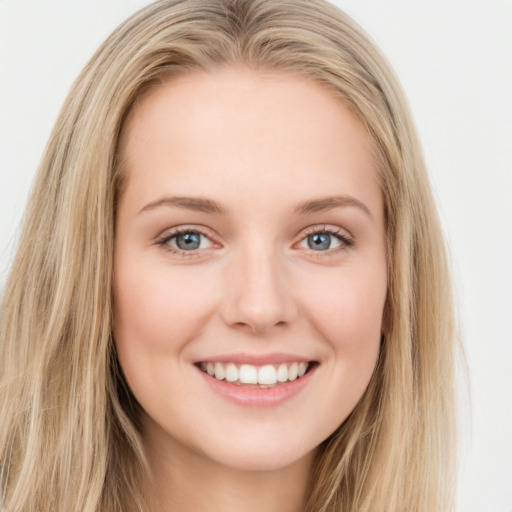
column 69, row 433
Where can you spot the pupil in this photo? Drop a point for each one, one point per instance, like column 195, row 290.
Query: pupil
column 319, row 241
column 188, row 241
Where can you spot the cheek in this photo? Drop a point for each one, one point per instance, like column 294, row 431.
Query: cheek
column 351, row 319
column 347, row 306
column 157, row 311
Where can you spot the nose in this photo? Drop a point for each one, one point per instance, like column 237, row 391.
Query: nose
column 258, row 296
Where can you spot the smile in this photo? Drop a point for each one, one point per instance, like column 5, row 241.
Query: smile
column 257, row 381
column 268, row 375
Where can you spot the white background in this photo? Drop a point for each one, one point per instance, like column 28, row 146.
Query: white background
column 454, row 58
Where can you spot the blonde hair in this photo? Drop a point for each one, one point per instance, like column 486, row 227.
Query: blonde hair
column 69, row 438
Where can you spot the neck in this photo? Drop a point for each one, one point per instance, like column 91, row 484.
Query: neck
column 184, row 481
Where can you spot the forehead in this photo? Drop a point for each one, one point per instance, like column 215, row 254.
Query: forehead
column 243, row 96
column 237, row 126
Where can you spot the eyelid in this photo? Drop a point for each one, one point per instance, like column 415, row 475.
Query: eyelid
column 168, row 234
column 345, row 237
column 326, row 228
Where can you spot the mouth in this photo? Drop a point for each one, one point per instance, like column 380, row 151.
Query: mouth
column 254, row 376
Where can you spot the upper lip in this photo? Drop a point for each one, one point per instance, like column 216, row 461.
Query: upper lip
column 255, row 359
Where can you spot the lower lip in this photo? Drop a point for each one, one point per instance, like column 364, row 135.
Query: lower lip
column 258, row 397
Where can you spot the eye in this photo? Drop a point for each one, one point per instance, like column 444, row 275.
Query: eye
column 185, row 240
column 321, row 241
column 324, row 239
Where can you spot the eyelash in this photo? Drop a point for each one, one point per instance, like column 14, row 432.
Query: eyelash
column 163, row 241
column 346, row 241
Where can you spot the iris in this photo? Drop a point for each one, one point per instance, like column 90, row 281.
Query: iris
column 188, row 241
column 319, row 241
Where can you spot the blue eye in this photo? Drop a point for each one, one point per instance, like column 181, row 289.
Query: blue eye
column 319, row 241
column 325, row 240
column 187, row 241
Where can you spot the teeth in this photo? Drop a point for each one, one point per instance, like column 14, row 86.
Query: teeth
column 231, row 373
column 248, row 374
column 282, row 373
column 292, row 371
column 266, row 375
column 219, row 371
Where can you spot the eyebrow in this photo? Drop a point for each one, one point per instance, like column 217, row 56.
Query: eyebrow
column 328, row 203
column 198, row 204
column 204, row 205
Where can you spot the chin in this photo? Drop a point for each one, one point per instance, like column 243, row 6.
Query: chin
column 261, row 461
column 259, row 452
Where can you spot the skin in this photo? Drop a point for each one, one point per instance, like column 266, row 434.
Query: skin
column 258, row 144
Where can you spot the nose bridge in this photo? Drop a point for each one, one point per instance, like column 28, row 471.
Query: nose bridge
column 257, row 289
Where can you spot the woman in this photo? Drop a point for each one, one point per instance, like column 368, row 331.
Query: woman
column 231, row 288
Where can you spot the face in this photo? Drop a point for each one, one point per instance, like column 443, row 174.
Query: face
column 250, row 266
